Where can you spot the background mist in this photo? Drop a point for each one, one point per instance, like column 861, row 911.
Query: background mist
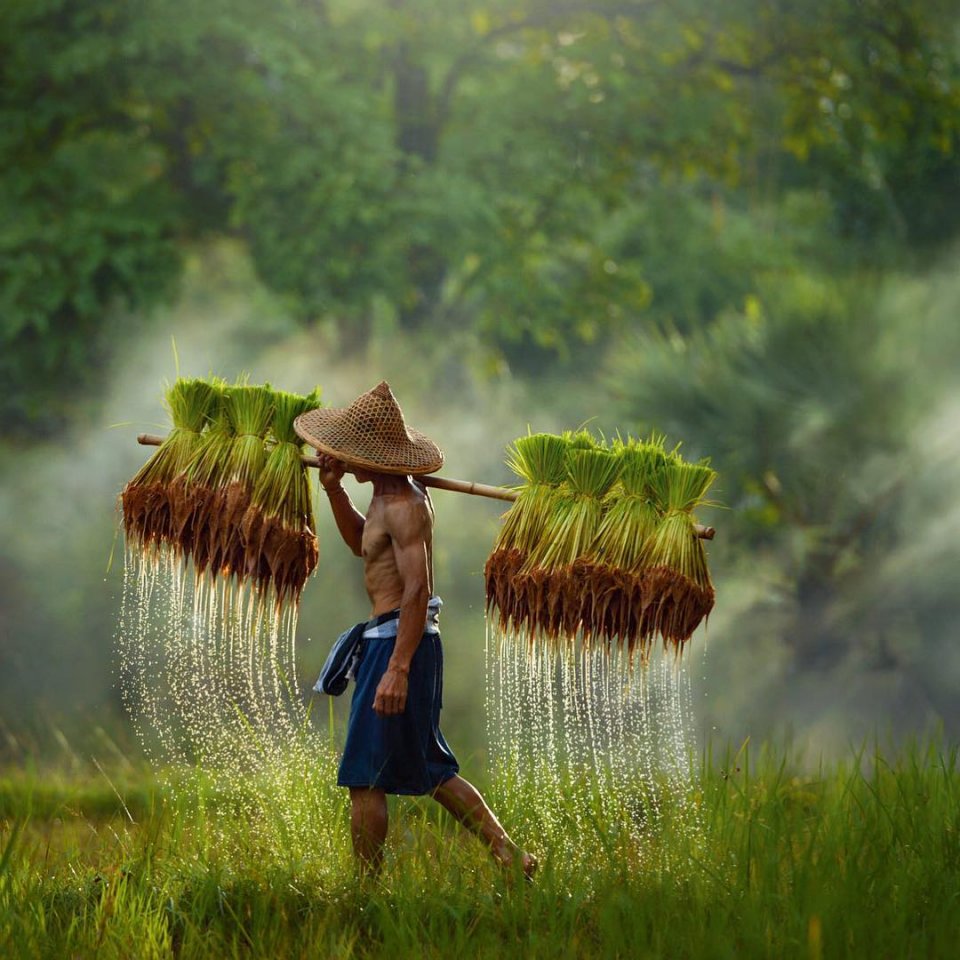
column 63, row 553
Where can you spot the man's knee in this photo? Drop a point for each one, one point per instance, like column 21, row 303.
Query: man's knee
column 368, row 802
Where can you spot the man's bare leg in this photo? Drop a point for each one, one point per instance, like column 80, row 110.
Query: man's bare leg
column 463, row 800
column 368, row 827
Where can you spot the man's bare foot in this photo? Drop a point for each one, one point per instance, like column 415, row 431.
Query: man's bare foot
column 529, row 863
column 512, row 857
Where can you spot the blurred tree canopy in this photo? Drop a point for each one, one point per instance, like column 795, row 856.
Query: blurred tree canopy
column 815, row 403
column 542, row 171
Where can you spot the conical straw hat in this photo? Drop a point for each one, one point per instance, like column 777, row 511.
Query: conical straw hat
column 371, row 433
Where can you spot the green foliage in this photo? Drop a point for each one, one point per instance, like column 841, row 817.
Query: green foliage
column 542, row 173
column 809, row 405
column 777, row 393
column 87, row 215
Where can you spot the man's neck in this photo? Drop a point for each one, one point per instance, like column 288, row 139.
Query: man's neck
column 388, row 483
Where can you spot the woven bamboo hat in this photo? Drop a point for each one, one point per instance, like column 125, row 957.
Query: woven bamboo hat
column 371, row 433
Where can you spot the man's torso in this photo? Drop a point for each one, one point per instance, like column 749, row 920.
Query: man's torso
column 410, row 512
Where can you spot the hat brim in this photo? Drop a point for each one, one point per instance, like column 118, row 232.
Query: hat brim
column 418, row 455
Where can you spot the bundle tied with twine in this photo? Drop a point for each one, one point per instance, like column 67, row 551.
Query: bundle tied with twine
column 203, row 479
column 248, row 411
column 234, row 491
column 607, row 549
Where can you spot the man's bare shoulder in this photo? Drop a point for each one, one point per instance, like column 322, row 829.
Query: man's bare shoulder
column 408, row 517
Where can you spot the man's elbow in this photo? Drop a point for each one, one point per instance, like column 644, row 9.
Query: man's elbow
column 355, row 542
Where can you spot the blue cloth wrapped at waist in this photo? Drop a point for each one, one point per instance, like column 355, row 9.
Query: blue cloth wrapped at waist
column 384, row 626
column 341, row 664
column 404, row 753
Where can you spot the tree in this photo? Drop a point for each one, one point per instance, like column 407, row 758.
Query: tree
column 809, row 404
column 510, row 168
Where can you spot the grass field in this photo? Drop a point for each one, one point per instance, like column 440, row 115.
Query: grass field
column 859, row 860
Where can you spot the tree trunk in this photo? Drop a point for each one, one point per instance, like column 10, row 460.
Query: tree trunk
column 417, row 137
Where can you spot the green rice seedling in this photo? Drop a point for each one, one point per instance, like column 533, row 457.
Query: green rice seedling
column 278, row 527
column 150, row 500
column 539, row 460
column 632, row 516
column 182, row 493
column 561, row 594
column 249, row 410
column 581, row 440
column 676, row 587
column 203, row 479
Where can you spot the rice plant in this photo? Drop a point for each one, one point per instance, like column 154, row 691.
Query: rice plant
column 204, row 478
column 857, row 858
column 539, row 460
column 557, row 569
column 631, row 516
column 676, row 586
column 151, row 504
column 248, row 410
column 278, row 528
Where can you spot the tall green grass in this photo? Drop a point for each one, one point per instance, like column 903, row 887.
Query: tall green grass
column 859, row 859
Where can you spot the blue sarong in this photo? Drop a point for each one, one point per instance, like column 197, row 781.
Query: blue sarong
column 407, row 753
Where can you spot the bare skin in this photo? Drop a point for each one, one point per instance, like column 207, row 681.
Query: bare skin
column 395, row 540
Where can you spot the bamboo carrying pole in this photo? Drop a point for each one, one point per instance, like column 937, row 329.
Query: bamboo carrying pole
column 442, row 483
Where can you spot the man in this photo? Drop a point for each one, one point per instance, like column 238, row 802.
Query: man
column 394, row 743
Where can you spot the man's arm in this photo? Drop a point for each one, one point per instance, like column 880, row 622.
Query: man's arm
column 349, row 519
column 408, row 524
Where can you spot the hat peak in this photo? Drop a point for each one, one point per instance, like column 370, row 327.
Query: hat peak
column 371, row 432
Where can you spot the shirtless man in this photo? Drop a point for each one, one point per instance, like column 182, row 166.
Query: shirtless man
column 394, row 744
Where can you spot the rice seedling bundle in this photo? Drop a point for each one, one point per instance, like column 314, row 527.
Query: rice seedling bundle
column 539, row 459
column 631, row 517
column 228, row 489
column 557, row 571
column 248, row 411
column 181, row 491
column 603, row 547
column 676, row 588
column 278, row 526
column 150, row 501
